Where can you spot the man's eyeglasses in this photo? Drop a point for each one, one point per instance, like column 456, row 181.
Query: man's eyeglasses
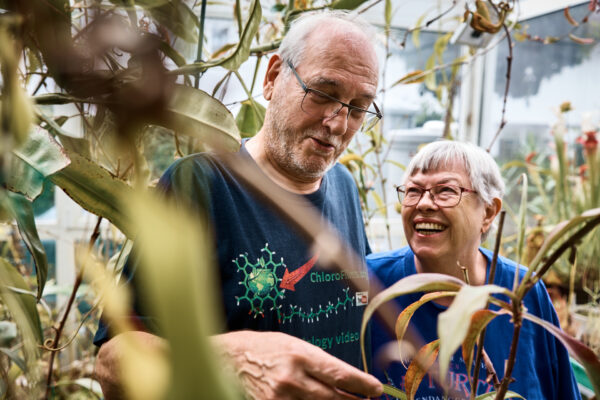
column 445, row 196
column 319, row 104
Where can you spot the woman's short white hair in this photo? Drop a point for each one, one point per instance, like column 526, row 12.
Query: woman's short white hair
column 293, row 45
column 480, row 165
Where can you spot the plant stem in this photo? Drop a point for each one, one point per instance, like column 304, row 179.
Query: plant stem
column 200, row 42
column 490, row 280
column 517, row 320
column 506, row 87
column 78, row 280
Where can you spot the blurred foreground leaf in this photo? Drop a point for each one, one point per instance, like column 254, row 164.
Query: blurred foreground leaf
column 492, row 396
column 250, row 118
column 198, row 115
column 177, row 275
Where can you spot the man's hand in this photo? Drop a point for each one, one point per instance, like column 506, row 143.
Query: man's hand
column 273, row 365
column 108, row 369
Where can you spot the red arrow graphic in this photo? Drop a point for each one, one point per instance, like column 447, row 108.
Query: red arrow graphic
column 291, row 278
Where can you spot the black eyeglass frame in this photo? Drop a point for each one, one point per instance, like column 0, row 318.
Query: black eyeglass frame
column 350, row 107
column 402, row 190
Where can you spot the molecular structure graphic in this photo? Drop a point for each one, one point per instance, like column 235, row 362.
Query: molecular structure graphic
column 261, row 282
column 262, row 291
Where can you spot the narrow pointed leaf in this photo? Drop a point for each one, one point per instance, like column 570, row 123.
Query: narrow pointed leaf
column 96, row 190
column 479, row 321
column 410, row 284
column 242, row 50
column 23, row 213
column 453, row 323
column 71, row 144
column 522, row 226
column 417, row 76
column 346, row 158
column 419, row 366
column 347, row 4
column 198, row 115
column 416, row 32
column 583, row 354
column 394, row 392
column 492, row 396
column 39, row 157
column 21, row 304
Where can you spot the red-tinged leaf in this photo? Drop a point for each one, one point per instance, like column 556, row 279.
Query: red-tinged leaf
column 453, row 323
column 583, row 354
column 479, row 321
column 569, row 17
column 580, row 40
column 419, row 366
column 410, row 284
column 406, row 314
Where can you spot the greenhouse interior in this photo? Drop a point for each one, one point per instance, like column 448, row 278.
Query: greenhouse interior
column 165, row 165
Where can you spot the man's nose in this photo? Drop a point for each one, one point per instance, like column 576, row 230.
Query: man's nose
column 338, row 122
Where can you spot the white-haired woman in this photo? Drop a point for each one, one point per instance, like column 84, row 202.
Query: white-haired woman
column 450, row 196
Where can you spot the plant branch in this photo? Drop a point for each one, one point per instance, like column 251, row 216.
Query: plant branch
column 63, row 321
column 490, row 280
column 507, row 379
column 509, row 59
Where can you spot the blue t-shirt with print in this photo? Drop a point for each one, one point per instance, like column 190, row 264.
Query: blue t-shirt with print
column 542, row 370
column 255, row 248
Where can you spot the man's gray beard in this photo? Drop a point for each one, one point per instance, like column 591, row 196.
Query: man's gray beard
column 280, row 145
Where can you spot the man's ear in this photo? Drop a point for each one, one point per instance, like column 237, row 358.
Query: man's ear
column 491, row 211
column 273, row 70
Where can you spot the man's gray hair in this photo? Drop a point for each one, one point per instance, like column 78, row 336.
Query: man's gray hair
column 293, row 45
column 480, row 165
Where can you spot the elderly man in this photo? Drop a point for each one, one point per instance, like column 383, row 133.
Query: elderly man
column 288, row 338
column 451, row 194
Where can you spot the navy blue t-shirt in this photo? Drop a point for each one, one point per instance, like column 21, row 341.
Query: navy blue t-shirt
column 255, row 248
column 542, row 370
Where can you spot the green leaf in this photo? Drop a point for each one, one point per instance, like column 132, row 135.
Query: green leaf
column 250, row 118
column 347, row 4
column 14, row 356
column 492, row 396
column 378, row 202
column 39, row 157
column 168, row 235
column 78, row 145
column 453, row 324
column 392, row 391
column 416, row 32
column 415, row 283
column 479, row 321
column 175, row 15
column 417, row 76
column 242, row 50
column 23, row 214
column 170, row 52
column 522, row 226
column 583, row 354
column 397, row 164
column 96, row 190
column 417, row 369
column 430, row 81
column 198, row 115
column 388, row 14
column 21, row 304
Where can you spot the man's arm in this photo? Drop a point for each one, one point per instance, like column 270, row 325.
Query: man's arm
column 269, row 365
